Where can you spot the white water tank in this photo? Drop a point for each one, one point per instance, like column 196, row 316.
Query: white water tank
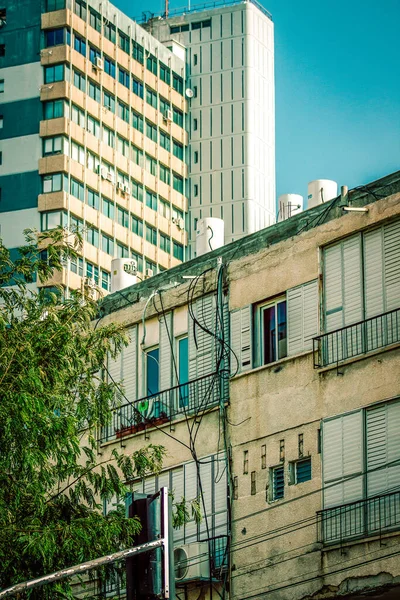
column 320, row 191
column 123, row 273
column 289, row 205
column 209, row 235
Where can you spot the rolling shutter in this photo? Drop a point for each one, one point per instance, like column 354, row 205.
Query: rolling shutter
column 383, row 448
column 391, row 245
column 333, row 287
column 241, row 340
column 302, row 310
column 129, row 366
column 373, row 273
column 165, row 339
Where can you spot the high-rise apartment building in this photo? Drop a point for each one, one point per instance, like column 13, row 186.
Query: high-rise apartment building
column 230, row 58
column 92, row 118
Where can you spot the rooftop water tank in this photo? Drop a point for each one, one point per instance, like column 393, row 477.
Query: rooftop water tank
column 209, row 235
column 289, row 205
column 320, row 191
column 123, row 273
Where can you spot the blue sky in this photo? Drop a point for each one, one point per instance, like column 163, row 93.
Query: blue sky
column 337, row 94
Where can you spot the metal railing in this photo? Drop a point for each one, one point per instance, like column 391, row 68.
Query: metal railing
column 210, row 5
column 158, row 409
column 372, row 516
column 354, row 340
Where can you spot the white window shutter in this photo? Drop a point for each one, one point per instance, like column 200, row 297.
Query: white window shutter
column 352, row 280
column 129, row 365
column 165, row 354
column 373, row 270
column 190, row 477
column 202, row 344
column 302, row 317
column 391, row 243
column 241, row 339
column 383, row 448
column 115, row 369
column 333, row 287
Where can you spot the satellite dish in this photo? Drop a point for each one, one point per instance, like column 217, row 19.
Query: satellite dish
column 189, row 93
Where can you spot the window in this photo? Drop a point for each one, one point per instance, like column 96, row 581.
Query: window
column 93, row 199
column 80, row 9
column 245, row 462
column 123, row 217
column 264, row 456
column 137, row 121
column 77, row 189
column 52, row 219
column 109, row 101
column 164, row 208
column 56, row 37
column 93, row 161
column 123, row 111
column 55, row 5
column 79, row 80
column 94, row 54
column 137, row 87
column 177, row 83
column 151, row 235
column 195, row 157
column 300, row 471
column 165, row 174
column 165, row 243
column 78, row 115
column 165, row 73
column 107, row 244
column 55, row 145
column 152, row 372
column 1, row 121
column 54, row 109
column 176, row 213
column 360, row 460
column 93, row 126
column 137, row 155
column 75, row 224
column 177, row 117
column 76, row 265
column 137, row 226
column 137, row 52
column 194, row 59
column 137, row 190
column 178, row 251
column 253, row 483
column 80, row 44
column 109, row 66
column 151, row 165
column 122, row 251
column 55, row 73
column 92, row 272
column 277, row 483
column 106, row 280
column 108, row 208
column 92, row 236
column 196, row 189
column 165, row 141
column 151, row 97
column 52, row 183
column 195, row 121
column 164, row 105
column 1, row 86
column 195, row 91
column 177, row 149
column 196, row 25
column 123, row 146
column 151, row 200
column 123, row 77
column 151, row 131
column 177, row 182
column 179, row 28
column 78, row 153
column 151, row 64
column 109, row 31
column 94, row 91
column 108, row 137
column 123, row 42
column 270, row 331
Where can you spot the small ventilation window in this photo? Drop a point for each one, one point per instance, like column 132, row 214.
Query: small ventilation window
column 3, row 12
column 2, row 49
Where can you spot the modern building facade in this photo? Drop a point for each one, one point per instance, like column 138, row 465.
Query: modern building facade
column 293, row 448
column 230, row 57
column 93, row 119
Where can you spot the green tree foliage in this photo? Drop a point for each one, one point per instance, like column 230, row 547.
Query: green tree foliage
column 52, row 401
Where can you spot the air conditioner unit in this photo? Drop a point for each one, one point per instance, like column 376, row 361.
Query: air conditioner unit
column 110, row 177
column 174, row 220
column 168, row 115
column 192, row 562
column 180, row 224
column 90, row 282
column 127, row 189
column 103, row 172
column 121, row 186
column 149, row 272
column 99, row 63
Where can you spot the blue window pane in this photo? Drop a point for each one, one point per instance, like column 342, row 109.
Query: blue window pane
column 183, row 371
column 152, row 372
column 303, row 470
column 278, row 483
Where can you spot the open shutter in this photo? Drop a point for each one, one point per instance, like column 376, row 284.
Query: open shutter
column 333, row 287
column 202, row 344
column 342, row 475
column 373, row 273
column 302, row 310
column 241, row 339
column 352, row 280
column 129, row 365
column 165, row 339
column 391, row 244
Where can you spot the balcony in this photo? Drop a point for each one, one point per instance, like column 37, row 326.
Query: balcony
column 156, row 410
column 370, row 517
column 355, row 340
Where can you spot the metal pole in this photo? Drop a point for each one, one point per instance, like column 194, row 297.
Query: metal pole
column 82, row 568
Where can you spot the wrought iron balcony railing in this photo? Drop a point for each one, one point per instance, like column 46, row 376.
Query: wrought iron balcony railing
column 157, row 409
column 372, row 516
column 354, row 340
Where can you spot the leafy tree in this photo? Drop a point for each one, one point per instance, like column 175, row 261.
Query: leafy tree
column 53, row 400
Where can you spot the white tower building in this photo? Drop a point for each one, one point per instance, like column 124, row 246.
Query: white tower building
column 230, row 56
